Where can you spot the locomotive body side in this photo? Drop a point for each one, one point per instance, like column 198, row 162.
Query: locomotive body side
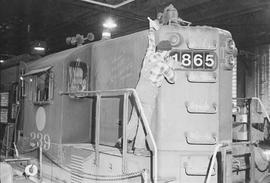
column 68, row 122
column 116, row 64
column 56, row 119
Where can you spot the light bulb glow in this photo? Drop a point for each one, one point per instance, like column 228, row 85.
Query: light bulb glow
column 109, row 24
column 106, row 34
column 39, row 48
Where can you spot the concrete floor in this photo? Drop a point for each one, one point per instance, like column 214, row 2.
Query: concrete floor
column 21, row 180
column 9, row 174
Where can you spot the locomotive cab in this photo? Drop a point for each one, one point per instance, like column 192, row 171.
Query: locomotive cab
column 49, row 119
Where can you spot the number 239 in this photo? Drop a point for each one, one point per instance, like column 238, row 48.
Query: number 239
column 41, row 139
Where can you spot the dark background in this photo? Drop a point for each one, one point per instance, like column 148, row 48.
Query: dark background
column 24, row 21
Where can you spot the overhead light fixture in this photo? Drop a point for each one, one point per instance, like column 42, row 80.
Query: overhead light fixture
column 109, row 24
column 38, row 47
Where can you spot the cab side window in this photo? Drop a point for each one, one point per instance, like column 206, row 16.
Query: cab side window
column 77, row 76
column 43, row 87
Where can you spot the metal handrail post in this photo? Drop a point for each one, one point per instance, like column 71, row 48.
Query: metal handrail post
column 125, row 120
column 144, row 120
column 40, row 164
column 97, row 129
column 251, row 147
column 148, row 130
column 7, row 143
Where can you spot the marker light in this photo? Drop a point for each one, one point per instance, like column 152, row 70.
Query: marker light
column 230, row 46
column 2, row 61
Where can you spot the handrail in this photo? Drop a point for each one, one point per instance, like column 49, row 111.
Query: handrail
column 97, row 129
column 104, row 93
column 124, row 136
column 144, row 121
column 147, row 127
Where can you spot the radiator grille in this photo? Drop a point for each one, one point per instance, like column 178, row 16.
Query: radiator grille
column 76, row 165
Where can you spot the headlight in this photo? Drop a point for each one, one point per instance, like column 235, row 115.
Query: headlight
column 175, row 39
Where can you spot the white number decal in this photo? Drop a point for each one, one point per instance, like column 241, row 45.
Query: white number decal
column 33, row 135
column 47, row 142
column 175, row 57
column 40, row 139
column 186, row 60
column 198, row 60
column 209, row 60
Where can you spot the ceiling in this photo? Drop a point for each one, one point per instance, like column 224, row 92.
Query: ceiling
column 24, row 21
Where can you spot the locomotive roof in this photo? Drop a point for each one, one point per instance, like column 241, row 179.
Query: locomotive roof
column 70, row 53
column 64, row 56
column 57, row 57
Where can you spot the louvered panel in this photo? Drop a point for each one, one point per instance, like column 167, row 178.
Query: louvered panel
column 76, row 165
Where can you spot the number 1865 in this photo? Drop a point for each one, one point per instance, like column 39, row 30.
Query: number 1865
column 195, row 60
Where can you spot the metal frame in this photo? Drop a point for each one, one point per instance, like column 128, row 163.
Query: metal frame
column 126, row 93
column 250, row 142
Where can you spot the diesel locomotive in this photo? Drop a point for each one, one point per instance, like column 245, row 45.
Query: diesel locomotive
column 77, row 104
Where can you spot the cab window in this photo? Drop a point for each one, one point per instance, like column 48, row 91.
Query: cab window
column 77, row 76
column 43, row 87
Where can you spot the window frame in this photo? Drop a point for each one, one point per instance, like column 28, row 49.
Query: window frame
column 50, row 88
column 85, row 68
column 30, row 79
